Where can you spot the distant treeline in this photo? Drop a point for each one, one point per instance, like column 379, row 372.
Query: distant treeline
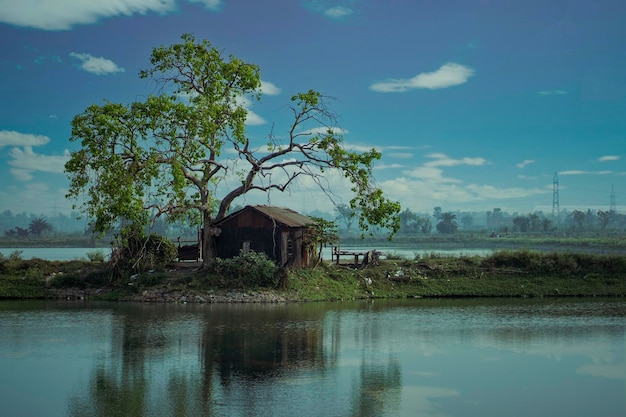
column 495, row 223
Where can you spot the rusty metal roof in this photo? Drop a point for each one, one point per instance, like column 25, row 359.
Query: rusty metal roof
column 283, row 215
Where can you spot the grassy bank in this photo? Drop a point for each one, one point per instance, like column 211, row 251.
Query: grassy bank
column 503, row 274
column 55, row 241
column 547, row 243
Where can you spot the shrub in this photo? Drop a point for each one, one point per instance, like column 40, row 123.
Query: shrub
column 96, row 256
column 137, row 253
column 11, row 263
column 249, row 269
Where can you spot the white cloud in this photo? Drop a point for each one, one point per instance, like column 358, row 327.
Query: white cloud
column 21, row 174
column 324, row 131
column 64, row 14
column 254, row 119
column 448, row 75
column 25, row 161
column 607, row 158
column 442, row 160
column 12, row 138
column 429, row 173
column 35, row 197
column 525, row 162
column 581, row 172
column 387, row 166
column 490, row 192
column 269, row 88
column 338, row 12
column 209, row 4
column 95, row 65
column 425, row 187
column 552, row 92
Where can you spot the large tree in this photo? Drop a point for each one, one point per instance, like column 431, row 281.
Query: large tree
column 163, row 155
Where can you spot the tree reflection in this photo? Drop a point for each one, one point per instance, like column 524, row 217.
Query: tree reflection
column 150, row 371
column 261, row 344
column 120, row 388
column 378, row 390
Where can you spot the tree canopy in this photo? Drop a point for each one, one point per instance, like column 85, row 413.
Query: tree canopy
column 164, row 155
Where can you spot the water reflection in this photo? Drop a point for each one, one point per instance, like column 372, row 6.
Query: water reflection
column 389, row 358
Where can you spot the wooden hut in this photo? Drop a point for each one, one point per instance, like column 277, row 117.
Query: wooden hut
column 281, row 233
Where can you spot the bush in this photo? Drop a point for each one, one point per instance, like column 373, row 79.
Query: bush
column 96, row 256
column 249, row 269
column 12, row 263
column 138, row 253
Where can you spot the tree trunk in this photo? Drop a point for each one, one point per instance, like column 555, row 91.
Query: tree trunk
column 207, row 239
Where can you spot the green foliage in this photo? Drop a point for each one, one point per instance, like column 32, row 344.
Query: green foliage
column 137, row 253
column 560, row 264
column 39, row 226
column 248, row 270
column 324, row 233
column 96, row 256
column 322, row 284
column 447, row 223
column 167, row 145
column 10, row 263
column 162, row 155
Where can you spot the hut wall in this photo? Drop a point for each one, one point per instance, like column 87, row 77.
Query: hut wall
column 284, row 245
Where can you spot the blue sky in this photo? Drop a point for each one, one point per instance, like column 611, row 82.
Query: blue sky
column 475, row 104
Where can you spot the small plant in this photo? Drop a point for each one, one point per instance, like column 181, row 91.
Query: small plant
column 248, row 270
column 96, row 256
column 393, row 256
column 12, row 263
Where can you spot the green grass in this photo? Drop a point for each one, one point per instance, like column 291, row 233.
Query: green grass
column 504, row 274
column 477, row 240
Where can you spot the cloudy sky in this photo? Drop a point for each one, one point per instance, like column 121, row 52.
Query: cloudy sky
column 475, row 104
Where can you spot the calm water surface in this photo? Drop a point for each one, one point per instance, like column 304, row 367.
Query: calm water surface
column 382, row 358
column 68, row 254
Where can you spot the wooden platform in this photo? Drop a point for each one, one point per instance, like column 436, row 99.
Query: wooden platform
column 367, row 257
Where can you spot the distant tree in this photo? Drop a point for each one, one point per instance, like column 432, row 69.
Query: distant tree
column 467, row 221
column 521, row 224
column 447, row 223
column 21, row 232
column 324, row 233
column 425, row 225
column 437, row 213
column 534, row 222
column 346, row 215
column 495, row 218
column 409, row 222
column 605, row 218
column 39, row 226
column 579, row 218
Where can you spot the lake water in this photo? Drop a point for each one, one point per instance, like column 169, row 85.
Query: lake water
column 488, row 358
column 55, row 254
column 68, row 254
